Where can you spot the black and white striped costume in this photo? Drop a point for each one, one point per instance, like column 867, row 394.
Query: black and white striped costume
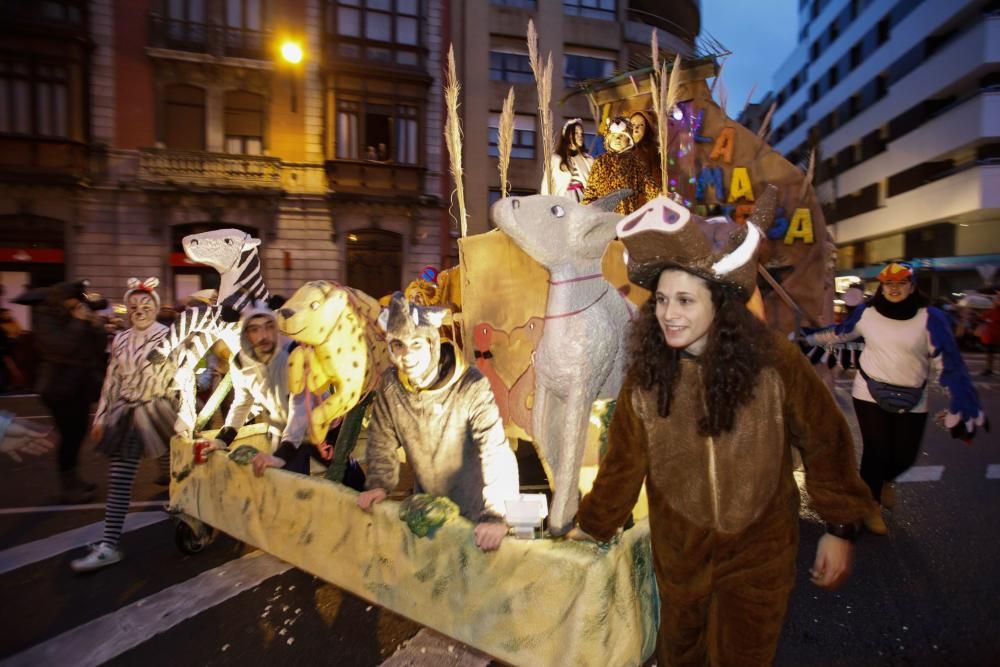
column 137, row 411
column 136, row 397
column 198, row 329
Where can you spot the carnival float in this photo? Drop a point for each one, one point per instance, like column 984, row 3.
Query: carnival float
column 540, row 306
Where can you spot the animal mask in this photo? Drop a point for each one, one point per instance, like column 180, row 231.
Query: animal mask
column 219, row 248
column 312, row 312
column 618, row 135
column 404, row 321
column 664, row 234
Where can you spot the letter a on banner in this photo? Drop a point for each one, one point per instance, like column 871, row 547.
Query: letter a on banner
column 800, row 227
column 724, row 144
column 739, row 185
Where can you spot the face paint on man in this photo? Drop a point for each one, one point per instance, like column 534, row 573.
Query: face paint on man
column 141, row 311
column 262, row 334
column 414, row 357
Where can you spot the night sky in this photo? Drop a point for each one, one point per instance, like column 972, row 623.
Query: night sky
column 760, row 34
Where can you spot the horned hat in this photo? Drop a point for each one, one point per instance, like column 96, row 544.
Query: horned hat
column 663, row 234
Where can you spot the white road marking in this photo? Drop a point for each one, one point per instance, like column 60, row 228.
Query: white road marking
column 922, row 474
column 993, row 471
column 39, row 509
column 32, row 552
column 108, row 636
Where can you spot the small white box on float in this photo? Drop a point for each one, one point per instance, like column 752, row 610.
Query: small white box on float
column 525, row 514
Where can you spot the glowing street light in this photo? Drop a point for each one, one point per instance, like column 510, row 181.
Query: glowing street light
column 291, row 52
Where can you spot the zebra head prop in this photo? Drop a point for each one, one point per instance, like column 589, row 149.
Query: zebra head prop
column 219, row 248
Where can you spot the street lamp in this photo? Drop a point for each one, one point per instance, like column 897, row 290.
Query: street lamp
column 291, row 51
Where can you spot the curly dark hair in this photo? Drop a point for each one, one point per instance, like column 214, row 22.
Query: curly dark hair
column 735, row 353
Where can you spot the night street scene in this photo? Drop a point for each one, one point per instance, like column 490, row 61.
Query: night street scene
column 500, row 332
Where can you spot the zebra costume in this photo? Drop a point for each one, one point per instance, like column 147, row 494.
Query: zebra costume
column 136, row 397
column 136, row 415
column 234, row 255
column 197, row 329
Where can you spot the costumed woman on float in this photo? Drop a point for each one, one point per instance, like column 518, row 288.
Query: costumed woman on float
column 135, row 415
column 902, row 335
column 716, row 400
column 570, row 163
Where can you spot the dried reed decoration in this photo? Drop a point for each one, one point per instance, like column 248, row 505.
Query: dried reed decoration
column 765, row 128
column 664, row 97
column 505, row 141
column 808, row 179
column 453, row 137
column 543, row 81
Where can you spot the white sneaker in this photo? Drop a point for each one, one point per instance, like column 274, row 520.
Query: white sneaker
column 100, row 555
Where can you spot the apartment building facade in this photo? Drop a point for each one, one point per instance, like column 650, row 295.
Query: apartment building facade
column 126, row 126
column 901, row 100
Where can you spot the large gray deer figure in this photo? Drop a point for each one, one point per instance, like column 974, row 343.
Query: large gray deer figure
column 581, row 356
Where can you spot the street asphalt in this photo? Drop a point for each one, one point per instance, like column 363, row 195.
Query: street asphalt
column 926, row 594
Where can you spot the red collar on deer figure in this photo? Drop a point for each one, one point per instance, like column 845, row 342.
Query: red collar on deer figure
column 579, row 279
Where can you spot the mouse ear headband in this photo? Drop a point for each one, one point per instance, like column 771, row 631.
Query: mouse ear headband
column 147, row 286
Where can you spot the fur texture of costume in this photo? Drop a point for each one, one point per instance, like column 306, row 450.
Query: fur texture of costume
column 725, row 541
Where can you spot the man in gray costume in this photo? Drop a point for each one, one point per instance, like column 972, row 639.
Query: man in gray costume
column 445, row 418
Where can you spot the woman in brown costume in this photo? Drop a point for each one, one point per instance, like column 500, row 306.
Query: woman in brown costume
column 711, row 407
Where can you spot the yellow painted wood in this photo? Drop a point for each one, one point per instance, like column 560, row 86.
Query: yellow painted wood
column 542, row 602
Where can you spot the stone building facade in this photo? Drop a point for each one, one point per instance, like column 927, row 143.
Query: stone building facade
column 125, row 126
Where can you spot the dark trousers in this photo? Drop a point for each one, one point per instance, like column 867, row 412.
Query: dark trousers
column 72, row 418
column 299, row 460
column 891, row 443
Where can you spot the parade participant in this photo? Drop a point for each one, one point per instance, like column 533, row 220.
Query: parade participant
column 260, row 376
column 712, row 405
column 70, row 340
column 646, row 148
column 620, row 169
column 445, row 418
column 990, row 336
column 135, row 414
column 570, row 165
column 902, row 334
column 16, row 439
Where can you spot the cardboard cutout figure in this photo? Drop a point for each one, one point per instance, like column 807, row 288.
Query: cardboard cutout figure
column 580, row 355
column 340, row 348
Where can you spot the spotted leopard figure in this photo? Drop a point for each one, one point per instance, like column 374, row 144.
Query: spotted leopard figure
column 341, row 349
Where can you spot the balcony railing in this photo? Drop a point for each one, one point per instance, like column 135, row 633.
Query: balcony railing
column 377, row 178
column 217, row 40
column 42, row 158
column 214, row 170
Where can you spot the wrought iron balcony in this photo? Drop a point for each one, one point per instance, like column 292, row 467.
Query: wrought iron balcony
column 209, row 170
column 212, row 39
column 42, row 159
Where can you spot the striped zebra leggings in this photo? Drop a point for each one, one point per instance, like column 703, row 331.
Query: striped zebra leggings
column 121, row 475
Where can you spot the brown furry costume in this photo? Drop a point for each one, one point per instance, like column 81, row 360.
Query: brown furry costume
column 724, row 511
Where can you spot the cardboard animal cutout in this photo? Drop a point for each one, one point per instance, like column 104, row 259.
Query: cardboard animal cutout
column 581, row 354
column 234, row 255
column 341, row 349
